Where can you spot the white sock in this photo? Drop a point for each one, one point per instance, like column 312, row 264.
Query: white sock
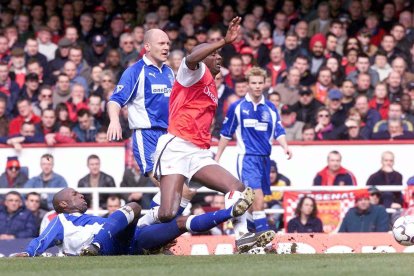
column 150, row 218
column 157, row 198
column 240, row 225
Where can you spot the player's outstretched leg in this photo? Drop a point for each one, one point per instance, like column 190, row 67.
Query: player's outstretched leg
column 117, row 222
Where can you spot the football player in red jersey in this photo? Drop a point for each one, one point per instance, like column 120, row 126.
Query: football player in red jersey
column 183, row 153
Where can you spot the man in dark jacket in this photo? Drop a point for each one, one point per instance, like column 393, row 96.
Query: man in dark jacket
column 387, row 176
column 365, row 217
column 306, row 107
column 96, row 178
column 334, row 174
column 16, row 222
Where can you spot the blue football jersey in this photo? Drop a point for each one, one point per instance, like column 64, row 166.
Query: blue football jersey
column 146, row 90
column 255, row 125
column 70, row 232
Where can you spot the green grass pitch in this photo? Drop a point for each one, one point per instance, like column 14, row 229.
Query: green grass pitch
column 233, row 265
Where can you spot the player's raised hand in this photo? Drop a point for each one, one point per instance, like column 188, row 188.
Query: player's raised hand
column 233, row 30
column 114, row 131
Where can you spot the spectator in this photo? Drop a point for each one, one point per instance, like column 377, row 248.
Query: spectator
column 4, row 120
column 128, row 51
column 48, row 123
column 96, row 54
column 27, row 135
column 17, row 222
column 292, row 49
column 44, row 100
column 387, row 176
column 96, row 178
column 276, row 65
column 87, row 127
column 395, row 131
column 101, row 136
column 62, row 90
column 82, row 68
column 76, row 102
column 302, row 63
column 321, row 24
column 62, row 114
column 330, row 50
column 235, row 72
column 334, row 174
column 323, row 84
column 113, row 203
column 32, row 204
column 70, row 70
column 18, row 69
column 30, row 90
column 32, row 52
column 317, row 47
column 334, row 104
column 364, row 38
column 395, row 89
column 369, row 116
column 25, row 115
column 363, row 66
column 95, row 87
column 8, row 88
column 54, row 67
column 301, row 30
column 274, row 97
column 86, row 27
column 381, row 65
column 338, row 75
column 380, row 101
column 64, row 135
column 289, row 89
column 47, row 179
column 46, row 46
column 324, row 128
column 305, row 220
column 292, row 127
column 13, row 177
column 281, row 26
column 307, row 107
column 394, row 113
column 348, row 95
column 308, row 133
column 133, row 177
column 374, row 195
column 388, row 44
column 95, row 108
column 113, row 63
column 365, row 217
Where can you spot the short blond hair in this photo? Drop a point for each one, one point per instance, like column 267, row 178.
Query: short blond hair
column 256, row 72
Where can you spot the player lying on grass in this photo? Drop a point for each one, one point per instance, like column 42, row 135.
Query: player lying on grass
column 80, row 234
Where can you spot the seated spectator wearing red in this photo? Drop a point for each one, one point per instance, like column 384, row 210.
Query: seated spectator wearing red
column 16, row 221
column 323, row 84
column 235, row 71
column 86, row 128
column 306, row 217
column 64, row 135
column 96, row 178
column 388, row 176
column 276, row 65
column 76, row 102
column 334, row 174
column 18, row 69
column 8, row 88
column 32, row 204
column 25, row 115
column 380, row 101
column 13, row 177
column 365, row 217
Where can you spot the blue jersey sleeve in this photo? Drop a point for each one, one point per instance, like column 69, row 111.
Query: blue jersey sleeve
column 230, row 122
column 279, row 129
column 47, row 239
column 128, row 85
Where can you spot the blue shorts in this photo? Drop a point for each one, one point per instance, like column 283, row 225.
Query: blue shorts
column 254, row 172
column 121, row 243
column 144, row 143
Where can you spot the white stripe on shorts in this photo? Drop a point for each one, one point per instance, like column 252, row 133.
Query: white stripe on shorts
column 140, row 145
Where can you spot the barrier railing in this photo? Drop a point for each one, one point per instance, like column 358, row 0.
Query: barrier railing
column 152, row 190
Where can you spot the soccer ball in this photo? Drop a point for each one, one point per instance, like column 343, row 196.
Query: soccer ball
column 403, row 230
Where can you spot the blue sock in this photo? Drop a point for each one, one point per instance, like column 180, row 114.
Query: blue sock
column 115, row 223
column 153, row 204
column 205, row 222
column 260, row 221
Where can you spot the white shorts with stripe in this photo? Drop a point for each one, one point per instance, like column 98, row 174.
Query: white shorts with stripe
column 175, row 155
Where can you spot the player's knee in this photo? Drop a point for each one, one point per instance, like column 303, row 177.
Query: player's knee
column 136, row 208
column 166, row 215
column 238, row 186
column 182, row 223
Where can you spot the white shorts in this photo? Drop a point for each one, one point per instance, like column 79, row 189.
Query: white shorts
column 175, row 155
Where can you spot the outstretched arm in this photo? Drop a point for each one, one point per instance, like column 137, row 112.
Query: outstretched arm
column 201, row 52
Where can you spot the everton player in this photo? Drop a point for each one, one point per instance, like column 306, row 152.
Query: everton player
column 73, row 230
column 183, row 154
column 256, row 123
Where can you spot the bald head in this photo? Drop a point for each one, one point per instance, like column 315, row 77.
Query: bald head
column 157, row 46
column 69, row 201
column 151, row 36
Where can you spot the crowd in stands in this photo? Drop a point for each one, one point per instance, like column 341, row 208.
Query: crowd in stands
column 337, row 70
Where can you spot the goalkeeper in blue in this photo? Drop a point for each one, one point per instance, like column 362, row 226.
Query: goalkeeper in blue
column 256, row 123
column 77, row 233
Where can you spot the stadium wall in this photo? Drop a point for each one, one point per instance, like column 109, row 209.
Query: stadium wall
column 362, row 158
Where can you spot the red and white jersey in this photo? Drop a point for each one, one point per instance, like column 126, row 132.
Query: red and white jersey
column 193, row 104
